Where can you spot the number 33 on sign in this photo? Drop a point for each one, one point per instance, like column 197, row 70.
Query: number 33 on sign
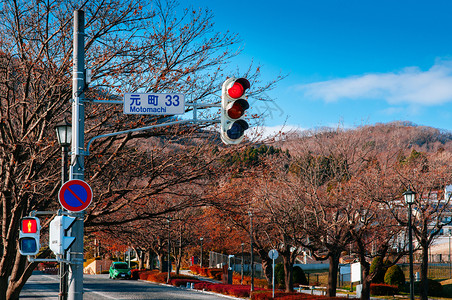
column 154, row 104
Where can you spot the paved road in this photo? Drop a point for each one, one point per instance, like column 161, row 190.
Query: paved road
column 100, row 287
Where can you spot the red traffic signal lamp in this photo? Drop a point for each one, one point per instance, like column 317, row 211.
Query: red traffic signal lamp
column 30, row 228
column 233, row 107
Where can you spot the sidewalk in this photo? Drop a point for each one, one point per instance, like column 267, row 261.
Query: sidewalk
column 203, row 278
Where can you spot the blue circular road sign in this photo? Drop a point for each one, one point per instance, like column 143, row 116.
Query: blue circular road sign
column 75, row 195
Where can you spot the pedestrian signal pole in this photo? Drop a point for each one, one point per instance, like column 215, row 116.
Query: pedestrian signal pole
column 77, row 168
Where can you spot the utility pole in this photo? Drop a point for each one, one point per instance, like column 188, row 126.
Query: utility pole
column 77, row 168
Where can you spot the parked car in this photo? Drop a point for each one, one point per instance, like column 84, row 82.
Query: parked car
column 119, row 269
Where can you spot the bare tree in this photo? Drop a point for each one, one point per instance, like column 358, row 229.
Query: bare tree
column 130, row 46
column 427, row 175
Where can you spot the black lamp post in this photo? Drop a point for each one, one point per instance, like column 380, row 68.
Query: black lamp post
column 200, row 262
column 241, row 267
column 251, row 254
column 169, row 252
column 64, row 136
column 409, row 196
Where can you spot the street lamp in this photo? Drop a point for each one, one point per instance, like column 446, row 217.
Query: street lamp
column 64, row 136
column 251, row 254
column 409, row 196
column 200, row 262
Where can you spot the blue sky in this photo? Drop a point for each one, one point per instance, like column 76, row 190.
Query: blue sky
column 354, row 62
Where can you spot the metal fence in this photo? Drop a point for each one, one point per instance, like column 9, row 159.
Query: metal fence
column 218, row 260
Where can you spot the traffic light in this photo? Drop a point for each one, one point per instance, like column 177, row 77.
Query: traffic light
column 29, row 236
column 58, row 241
column 233, row 107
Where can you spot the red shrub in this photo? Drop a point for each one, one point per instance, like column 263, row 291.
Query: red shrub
column 183, row 282
column 203, row 271
column 158, row 277
column 136, row 273
column 143, row 275
column 242, row 291
column 195, row 269
column 231, row 289
column 380, row 289
column 267, row 295
column 215, row 273
column 203, row 285
column 260, row 283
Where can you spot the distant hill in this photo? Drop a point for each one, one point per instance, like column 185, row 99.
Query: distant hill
column 385, row 135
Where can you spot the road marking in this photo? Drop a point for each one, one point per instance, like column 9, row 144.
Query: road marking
column 51, row 277
column 98, row 293
column 84, row 289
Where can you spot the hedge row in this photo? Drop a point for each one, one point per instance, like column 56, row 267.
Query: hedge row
column 266, row 295
column 235, row 290
column 381, row 289
column 226, row 289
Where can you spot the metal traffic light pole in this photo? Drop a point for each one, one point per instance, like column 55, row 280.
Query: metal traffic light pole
column 75, row 284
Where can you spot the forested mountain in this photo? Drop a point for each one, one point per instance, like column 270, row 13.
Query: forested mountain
column 385, row 136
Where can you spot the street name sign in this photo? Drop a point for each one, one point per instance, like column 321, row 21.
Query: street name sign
column 75, row 195
column 154, row 104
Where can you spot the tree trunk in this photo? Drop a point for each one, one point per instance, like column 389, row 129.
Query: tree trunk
column 366, row 280
column 332, row 274
column 424, row 271
column 148, row 259
column 139, row 257
column 161, row 259
column 22, row 270
column 266, row 265
column 288, row 272
column 3, row 287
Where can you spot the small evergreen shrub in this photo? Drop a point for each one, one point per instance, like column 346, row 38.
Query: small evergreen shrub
column 298, row 276
column 434, row 288
column 380, row 276
column 394, row 276
column 279, row 274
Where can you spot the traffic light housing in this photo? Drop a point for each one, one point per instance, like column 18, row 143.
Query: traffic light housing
column 58, row 241
column 233, row 107
column 30, row 228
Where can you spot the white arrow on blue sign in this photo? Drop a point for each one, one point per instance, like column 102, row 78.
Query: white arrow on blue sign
column 273, row 254
column 154, row 104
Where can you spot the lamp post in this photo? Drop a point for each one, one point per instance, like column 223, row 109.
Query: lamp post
column 450, row 263
column 409, row 196
column 241, row 267
column 200, row 262
column 169, row 251
column 251, row 254
column 64, row 136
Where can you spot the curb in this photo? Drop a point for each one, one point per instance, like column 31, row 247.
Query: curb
column 199, row 291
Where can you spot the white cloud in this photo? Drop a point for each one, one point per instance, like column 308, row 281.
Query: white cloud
column 264, row 132
column 411, row 85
